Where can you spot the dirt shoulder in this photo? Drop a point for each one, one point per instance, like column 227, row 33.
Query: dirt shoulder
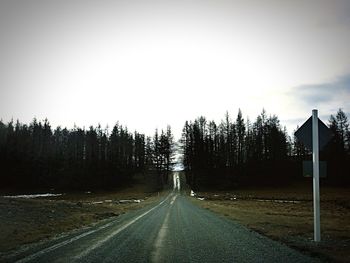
column 24, row 221
column 286, row 215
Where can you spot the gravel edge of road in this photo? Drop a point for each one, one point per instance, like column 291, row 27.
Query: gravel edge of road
column 304, row 251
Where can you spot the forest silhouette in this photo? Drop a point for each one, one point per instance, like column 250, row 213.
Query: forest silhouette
column 221, row 156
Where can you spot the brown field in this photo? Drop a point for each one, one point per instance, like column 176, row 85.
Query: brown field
column 24, row 221
column 286, row 215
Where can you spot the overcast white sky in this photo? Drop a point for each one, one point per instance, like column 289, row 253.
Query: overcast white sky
column 147, row 64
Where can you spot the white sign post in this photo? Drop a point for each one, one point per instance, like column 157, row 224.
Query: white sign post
column 316, row 176
column 314, row 134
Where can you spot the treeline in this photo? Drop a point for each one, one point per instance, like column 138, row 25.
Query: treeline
column 240, row 152
column 337, row 153
column 35, row 155
column 160, row 155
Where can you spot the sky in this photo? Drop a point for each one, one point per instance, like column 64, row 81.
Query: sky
column 148, row 63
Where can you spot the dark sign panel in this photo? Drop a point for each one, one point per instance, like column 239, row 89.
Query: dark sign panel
column 304, row 134
column 308, row 169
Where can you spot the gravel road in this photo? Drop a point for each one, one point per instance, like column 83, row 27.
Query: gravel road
column 174, row 230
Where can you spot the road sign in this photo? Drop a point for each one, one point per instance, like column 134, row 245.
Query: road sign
column 304, row 134
column 308, row 169
column 314, row 134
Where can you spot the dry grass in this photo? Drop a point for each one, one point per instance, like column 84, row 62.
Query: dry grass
column 270, row 212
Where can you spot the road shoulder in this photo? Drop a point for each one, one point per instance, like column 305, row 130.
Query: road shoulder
column 29, row 224
column 287, row 221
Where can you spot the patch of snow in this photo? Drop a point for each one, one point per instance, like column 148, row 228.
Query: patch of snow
column 87, row 192
column 125, row 201
column 279, row 201
column 200, row 198
column 97, row 202
column 192, row 193
column 130, row 201
column 32, row 196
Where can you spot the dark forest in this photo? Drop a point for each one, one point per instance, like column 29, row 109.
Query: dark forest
column 240, row 152
column 36, row 156
column 224, row 155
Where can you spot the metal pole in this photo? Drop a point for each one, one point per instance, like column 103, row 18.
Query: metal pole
column 316, row 176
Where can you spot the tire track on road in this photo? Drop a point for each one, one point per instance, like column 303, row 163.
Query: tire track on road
column 88, row 233
column 159, row 241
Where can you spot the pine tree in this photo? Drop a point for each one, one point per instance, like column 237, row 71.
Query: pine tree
column 240, row 129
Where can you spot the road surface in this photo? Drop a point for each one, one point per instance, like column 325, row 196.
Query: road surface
column 173, row 230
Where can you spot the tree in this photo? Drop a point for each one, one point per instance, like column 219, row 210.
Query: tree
column 337, row 151
column 169, row 150
column 340, row 127
column 240, row 129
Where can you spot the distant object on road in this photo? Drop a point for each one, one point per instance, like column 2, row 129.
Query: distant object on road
column 176, row 179
column 178, row 167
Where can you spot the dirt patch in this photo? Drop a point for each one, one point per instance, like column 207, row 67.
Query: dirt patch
column 24, row 221
column 286, row 215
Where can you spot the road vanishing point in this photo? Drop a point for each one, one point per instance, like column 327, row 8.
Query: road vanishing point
column 172, row 230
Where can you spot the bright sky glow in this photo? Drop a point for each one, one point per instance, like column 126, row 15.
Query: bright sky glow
column 147, row 64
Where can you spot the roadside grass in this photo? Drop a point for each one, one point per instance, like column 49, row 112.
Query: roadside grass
column 286, row 215
column 24, row 221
